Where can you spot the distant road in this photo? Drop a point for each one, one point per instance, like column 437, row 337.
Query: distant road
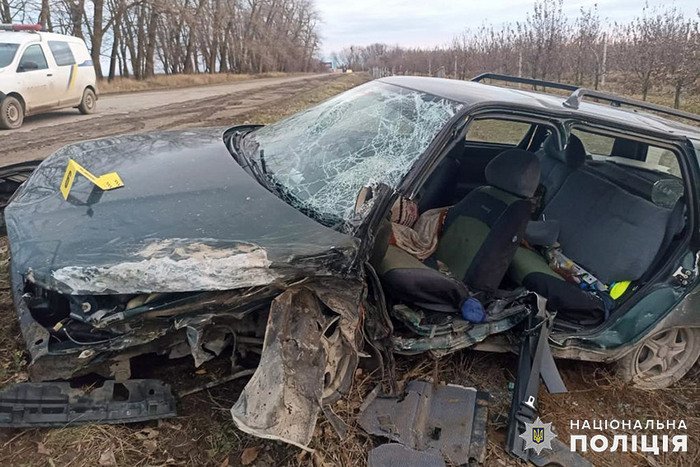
column 145, row 110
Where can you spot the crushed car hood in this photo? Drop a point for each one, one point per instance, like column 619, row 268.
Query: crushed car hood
column 188, row 218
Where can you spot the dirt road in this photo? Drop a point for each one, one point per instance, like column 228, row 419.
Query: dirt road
column 151, row 110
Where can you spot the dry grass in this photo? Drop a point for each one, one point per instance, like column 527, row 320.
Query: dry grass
column 178, row 81
column 275, row 111
column 203, row 433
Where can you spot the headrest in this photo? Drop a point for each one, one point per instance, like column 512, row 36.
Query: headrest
column 573, row 155
column 516, row 171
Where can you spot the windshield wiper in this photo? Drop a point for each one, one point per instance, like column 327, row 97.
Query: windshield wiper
column 287, row 194
column 248, row 163
column 258, row 168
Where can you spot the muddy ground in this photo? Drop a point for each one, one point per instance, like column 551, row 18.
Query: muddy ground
column 203, row 433
column 215, row 105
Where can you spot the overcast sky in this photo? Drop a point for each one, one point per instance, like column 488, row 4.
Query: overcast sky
column 427, row 23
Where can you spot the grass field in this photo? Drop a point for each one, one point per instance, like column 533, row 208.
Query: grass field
column 177, row 81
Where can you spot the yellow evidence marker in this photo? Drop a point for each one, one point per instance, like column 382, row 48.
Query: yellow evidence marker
column 108, row 181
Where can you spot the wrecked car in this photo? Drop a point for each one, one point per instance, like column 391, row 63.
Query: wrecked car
column 406, row 215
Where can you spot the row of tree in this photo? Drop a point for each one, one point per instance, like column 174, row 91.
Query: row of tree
column 660, row 47
column 141, row 37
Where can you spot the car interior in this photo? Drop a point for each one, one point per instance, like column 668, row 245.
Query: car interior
column 584, row 226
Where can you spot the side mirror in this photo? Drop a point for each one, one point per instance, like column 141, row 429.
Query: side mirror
column 365, row 195
column 28, row 66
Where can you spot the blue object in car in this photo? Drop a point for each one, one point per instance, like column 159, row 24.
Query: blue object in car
column 473, row 311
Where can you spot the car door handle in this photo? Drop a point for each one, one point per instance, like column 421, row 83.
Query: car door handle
column 49, row 74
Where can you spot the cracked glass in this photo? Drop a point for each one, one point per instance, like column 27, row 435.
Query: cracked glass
column 322, row 157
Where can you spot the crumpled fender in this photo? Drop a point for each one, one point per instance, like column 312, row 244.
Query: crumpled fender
column 309, row 327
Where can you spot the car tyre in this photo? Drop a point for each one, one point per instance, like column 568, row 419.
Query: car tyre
column 89, row 102
column 11, row 113
column 661, row 359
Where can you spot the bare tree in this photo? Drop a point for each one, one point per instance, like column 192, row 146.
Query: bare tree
column 681, row 58
column 640, row 50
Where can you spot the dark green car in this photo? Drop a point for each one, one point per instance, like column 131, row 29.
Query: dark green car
column 406, row 215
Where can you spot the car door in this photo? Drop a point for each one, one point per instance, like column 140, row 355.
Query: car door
column 36, row 79
column 69, row 93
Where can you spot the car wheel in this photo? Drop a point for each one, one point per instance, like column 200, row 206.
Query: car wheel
column 662, row 358
column 11, row 113
column 89, row 102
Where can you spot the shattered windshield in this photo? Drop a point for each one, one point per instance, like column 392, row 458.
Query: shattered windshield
column 323, row 156
column 7, row 53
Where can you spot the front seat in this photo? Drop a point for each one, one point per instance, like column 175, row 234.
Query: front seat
column 480, row 237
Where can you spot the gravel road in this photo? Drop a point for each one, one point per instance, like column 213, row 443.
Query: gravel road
column 215, row 105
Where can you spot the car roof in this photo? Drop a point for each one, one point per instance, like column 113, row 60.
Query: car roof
column 473, row 94
column 16, row 37
column 23, row 37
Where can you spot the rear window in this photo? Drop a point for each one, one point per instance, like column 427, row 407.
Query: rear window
column 496, row 131
column 7, row 53
column 630, row 152
column 61, row 53
column 600, row 145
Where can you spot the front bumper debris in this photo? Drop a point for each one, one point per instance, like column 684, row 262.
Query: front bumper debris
column 25, row 405
column 308, row 359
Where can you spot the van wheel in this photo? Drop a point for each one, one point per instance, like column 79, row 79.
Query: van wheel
column 89, row 102
column 11, row 113
column 661, row 359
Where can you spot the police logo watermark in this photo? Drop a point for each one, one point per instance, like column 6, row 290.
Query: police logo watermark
column 538, row 436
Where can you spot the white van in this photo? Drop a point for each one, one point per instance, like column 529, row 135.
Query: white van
column 41, row 71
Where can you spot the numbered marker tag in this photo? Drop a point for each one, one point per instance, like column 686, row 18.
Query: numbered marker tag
column 105, row 182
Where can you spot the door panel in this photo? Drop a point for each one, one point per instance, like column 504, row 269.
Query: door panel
column 36, row 79
column 67, row 84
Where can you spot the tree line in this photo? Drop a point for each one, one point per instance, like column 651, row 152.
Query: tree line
column 138, row 38
column 660, row 47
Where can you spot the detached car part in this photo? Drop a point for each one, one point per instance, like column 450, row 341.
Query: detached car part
column 447, row 419
column 25, row 405
column 308, row 359
column 391, row 454
column 535, row 361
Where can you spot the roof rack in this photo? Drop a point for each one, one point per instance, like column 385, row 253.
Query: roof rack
column 577, row 95
column 518, row 79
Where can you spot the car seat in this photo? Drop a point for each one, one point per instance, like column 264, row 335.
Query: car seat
column 480, row 237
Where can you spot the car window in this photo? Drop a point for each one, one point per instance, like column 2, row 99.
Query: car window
column 373, row 133
column 491, row 130
column 600, row 145
column 664, row 159
column 61, row 53
column 629, row 152
column 7, row 53
column 33, row 59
